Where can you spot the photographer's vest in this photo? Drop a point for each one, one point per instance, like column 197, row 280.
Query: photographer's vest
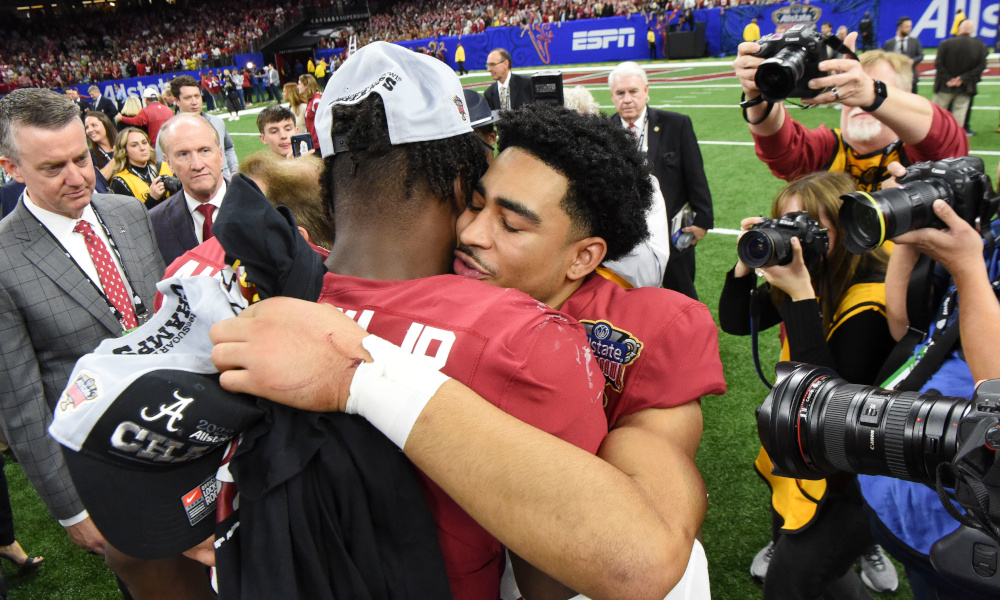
column 138, row 186
column 798, row 500
column 867, row 170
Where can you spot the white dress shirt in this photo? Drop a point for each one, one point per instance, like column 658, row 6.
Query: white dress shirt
column 61, row 229
column 197, row 217
column 643, row 135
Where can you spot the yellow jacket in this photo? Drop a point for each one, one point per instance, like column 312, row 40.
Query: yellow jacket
column 751, row 33
column 460, row 54
column 139, row 188
column 310, row 67
column 320, row 69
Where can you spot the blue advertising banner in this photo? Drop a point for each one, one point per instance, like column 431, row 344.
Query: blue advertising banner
column 135, row 85
column 933, row 19
column 591, row 40
column 771, row 17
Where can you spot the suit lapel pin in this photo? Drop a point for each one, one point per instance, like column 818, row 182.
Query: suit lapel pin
column 122, row 230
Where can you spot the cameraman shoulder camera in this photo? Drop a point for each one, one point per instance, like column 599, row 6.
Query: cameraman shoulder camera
column 877, row 109
column 959, row 249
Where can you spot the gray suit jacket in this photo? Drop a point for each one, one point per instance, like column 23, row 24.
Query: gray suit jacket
column 49, row 317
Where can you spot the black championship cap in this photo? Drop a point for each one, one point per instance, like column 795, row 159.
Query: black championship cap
column 145, row 425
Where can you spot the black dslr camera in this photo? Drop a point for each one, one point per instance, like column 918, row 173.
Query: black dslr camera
column 870, row 219
column 769, row 242
column 793, row 59
column 813, row 424
column 171, row 184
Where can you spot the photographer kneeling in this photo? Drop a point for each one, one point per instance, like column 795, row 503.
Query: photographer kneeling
column 137, row 173
column 909, row 517
column 832, row 307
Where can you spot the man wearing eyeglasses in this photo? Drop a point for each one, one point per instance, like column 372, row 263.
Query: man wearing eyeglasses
column 509, row 91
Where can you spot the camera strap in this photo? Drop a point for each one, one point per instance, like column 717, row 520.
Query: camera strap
column 745, row 104
column 754, row 330
column 838, row 45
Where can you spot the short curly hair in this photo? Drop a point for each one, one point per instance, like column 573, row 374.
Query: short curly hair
column 374, row 169
column 609, row 187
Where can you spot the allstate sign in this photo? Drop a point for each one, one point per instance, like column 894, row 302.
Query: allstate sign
column 797, row 14
column 602, row 39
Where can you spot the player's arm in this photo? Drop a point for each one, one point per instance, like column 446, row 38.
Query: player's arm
column 655, row 448
column 570, row 513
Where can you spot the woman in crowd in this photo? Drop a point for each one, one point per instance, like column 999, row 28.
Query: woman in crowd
column 136, row 171
column 132, row 106
column 832, row 315
column 297, row 104
column 101, row 136
column 309, row 89
column 232, row 94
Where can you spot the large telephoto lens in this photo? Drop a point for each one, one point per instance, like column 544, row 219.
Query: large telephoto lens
column 778, row 76
column 813, row 424
column 765, row 247
column 871, row 219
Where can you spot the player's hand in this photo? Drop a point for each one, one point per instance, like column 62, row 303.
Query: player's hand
column 85, row 535
column 959, row 248
column 301, row 354
column 203, row 552
column 746, row 65
column 793, row 278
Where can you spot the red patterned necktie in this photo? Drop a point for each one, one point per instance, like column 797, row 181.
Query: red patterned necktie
column 111, row 281
column 206, row 228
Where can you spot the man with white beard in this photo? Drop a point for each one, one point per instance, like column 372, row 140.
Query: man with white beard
column 880, row 121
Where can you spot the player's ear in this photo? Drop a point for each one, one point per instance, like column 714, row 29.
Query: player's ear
column 589, row 252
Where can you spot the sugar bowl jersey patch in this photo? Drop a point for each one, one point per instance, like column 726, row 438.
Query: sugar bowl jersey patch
column 614, row 349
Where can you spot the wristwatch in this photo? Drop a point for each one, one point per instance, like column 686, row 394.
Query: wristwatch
column 880, row 95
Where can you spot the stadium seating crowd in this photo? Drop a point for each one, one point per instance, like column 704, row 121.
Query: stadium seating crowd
column 70, row 51
column 127, row 43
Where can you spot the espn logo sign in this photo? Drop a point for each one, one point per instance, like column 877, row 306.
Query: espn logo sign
column 601, row 39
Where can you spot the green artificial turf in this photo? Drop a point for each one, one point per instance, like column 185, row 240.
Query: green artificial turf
column 737, row 525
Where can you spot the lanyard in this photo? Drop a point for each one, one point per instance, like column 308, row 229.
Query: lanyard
column 144, row 173
column 645, row 125
column 137, row 304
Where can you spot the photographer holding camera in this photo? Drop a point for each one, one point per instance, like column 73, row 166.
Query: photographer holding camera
column 881, row 120
column 831, row 305
column 137, row 173
column 953, row 350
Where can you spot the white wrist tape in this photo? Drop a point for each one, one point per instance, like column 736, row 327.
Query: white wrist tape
column 392, row 391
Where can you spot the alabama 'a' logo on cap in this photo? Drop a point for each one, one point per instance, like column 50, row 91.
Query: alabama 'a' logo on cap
column 614, row 350
column 83, row 388
column 461, row 107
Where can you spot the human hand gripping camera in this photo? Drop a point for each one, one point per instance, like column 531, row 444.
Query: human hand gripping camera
column 813, row 423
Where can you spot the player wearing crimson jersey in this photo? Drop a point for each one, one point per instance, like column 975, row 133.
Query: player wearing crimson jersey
column 529, row 361
column 396, row 193
column 542, row 220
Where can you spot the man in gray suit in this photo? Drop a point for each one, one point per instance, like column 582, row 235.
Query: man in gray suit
column 76, row 268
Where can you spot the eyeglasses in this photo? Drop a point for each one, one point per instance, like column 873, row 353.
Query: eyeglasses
column 489, row 64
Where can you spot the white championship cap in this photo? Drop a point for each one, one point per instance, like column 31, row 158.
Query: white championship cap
column 423, row 97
